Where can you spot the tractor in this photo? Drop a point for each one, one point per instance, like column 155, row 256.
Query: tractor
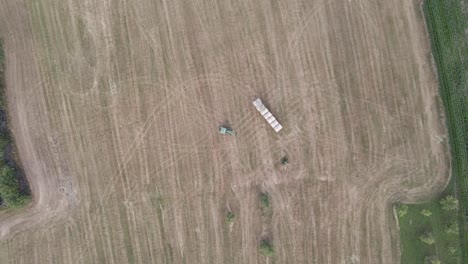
column 226, row 131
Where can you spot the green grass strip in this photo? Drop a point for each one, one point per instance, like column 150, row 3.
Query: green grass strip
column 447, row 22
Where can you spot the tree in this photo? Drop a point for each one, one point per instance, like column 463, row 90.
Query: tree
column 8, row 185
column 266, row 248
column 426, row 212
column 402, row 210
column 4, row 141
column 427, row 238
column 449, row 203
column 9, row 188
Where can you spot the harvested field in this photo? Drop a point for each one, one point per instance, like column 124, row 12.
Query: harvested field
column 115, row 107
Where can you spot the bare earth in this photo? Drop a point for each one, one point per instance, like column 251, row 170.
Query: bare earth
column 115, row 107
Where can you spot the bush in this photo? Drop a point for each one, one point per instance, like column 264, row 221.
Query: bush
column 453, row 228
column 449, row 203
column 265, row 201
column 1, row 52
column 427, row 238
column 431, row 260
column 230, row 217
column 426, row 212
column 402, row 210
column 452, row 250
column 285, row 160
column 266, row 248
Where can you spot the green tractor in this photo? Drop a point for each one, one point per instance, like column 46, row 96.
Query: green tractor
column 226, row 131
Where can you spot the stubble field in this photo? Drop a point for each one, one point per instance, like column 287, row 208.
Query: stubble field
column 115, row 107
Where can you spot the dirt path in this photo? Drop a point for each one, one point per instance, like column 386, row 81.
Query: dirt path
column 115, row 108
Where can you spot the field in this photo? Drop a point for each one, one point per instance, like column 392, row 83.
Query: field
column 115, row 107
column 438, row 222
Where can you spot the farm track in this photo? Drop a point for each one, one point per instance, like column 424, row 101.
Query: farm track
column 115, row 107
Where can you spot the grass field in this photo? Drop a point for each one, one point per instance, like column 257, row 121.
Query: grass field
column 414, row 224
column 116, row 106
column 448, row 26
